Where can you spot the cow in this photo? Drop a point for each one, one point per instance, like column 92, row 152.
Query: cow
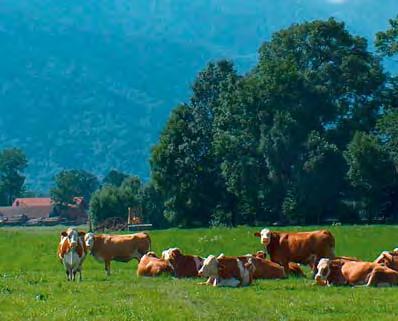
column 71, row 252
column 183, row 265
column 121, row 248
column 263, row 268
column 151, row 265
column 300, row 247
column 389, row 259
column 227, row 271
column 293, row 268
column 353, row 272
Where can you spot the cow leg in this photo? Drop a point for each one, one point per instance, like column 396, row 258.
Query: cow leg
column 67, row 274
column 108, row 268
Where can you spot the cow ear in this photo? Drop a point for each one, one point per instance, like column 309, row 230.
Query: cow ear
column 257, row 234
column 64, row 233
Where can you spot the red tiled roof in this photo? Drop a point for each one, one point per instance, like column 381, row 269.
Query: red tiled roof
column 32, row 201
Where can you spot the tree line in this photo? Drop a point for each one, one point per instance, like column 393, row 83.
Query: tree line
column 307, row 136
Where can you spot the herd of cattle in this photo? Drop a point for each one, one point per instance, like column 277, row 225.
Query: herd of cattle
column 286, row 250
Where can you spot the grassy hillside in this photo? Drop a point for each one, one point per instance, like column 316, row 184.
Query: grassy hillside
column 33, row 285
column 90, row 85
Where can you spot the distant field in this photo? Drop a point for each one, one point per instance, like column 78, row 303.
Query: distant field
column 33, row 285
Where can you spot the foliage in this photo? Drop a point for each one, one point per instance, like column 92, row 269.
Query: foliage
column 114, row 178
column 387, row 41
column 114, row 201
column 371, row 172
column 73, row 183
column 257, row 148
column 13, row 162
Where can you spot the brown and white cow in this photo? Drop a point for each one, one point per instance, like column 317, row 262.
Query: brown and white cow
column 299, row 247
column 121, row 248
column 183, row 265
column 151, row 265
column 293, row 268
column 263, row 268
column 349, row 272
column 227, row 271
column 72, row 251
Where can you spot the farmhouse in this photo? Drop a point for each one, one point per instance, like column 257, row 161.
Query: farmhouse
column 43, row 211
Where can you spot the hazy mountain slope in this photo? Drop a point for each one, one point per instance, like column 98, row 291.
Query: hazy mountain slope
column 90, row 84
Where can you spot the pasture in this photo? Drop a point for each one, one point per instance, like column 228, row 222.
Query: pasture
column 33, row 285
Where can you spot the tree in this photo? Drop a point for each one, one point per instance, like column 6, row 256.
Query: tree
column 12, row 164
column 114, row 178
column 371, row 171
column 185, row 170
column 114, row 201
column 315, row 82
column 153, row 206
column 387, row 41
column 73, row 183
column 106, row 202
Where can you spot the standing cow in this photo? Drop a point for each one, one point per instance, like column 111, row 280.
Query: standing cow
column 300, row 247
column 121, row 248
column 72, row 252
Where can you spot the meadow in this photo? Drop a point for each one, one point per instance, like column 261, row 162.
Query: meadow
column 33, row 284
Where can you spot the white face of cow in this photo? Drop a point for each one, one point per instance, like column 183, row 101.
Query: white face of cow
column 265, row 236
column 323, row 270
column 72, row 235
column 89, row 240
column 209, row 267
column 167, row 254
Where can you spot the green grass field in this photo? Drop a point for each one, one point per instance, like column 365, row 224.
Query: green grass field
column 33, row 284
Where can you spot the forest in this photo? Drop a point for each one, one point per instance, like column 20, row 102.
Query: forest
column 309, row 135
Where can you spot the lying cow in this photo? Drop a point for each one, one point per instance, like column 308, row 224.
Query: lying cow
column 121, row 248
column 349, row 272
column 72, row 252
column 227, row 271
column 151, row 265
column 263, row 268
column 183, row 265
column 293, row 268
column 301, row 247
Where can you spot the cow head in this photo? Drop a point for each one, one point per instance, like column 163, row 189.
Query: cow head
column 264, row 235
column 89, row 240
column 171, row 254
column 71, row 235
column 260, row 254
column 323, row 270
column 151, row 254
column 209, row 267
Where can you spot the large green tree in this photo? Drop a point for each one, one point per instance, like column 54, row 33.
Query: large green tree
column 315, row 83
column 12, row 164
column 185, row 170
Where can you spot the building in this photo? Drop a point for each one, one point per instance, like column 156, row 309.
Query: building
column 43, row 211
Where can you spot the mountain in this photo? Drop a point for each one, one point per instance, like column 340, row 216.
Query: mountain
column 90, row 84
